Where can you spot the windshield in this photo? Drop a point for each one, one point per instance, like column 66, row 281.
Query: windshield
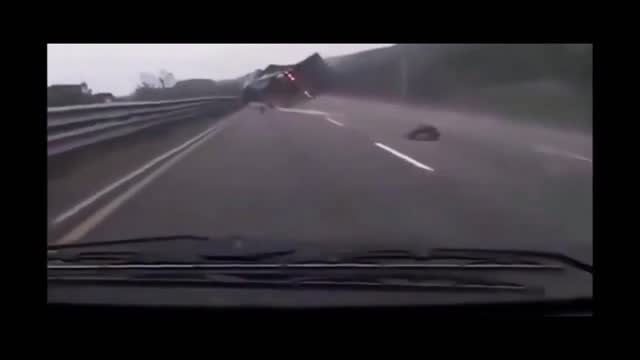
column 321, row 153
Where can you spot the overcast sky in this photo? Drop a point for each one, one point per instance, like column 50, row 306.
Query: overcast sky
column 116, row 68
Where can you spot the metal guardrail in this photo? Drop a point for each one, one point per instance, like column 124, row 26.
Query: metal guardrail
column 72, row 127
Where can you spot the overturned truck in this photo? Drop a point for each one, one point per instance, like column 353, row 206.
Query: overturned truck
column 286, row 85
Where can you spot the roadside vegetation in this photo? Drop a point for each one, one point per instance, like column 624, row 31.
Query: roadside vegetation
column 549, row 84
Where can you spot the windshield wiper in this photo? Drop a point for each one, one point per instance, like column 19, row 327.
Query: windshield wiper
column 144, row 258
column 249, row 257
column 109, row 257
column 531, row 254
column 285, row 279
column 438, row 259
column 129, row 241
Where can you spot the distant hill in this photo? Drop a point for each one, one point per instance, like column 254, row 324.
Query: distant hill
column 535, row 81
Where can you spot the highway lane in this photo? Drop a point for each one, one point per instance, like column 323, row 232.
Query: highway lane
column 318, row 176
column 543, row 175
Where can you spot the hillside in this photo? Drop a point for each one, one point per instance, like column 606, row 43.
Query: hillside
column 539, row 82
column 181, row 90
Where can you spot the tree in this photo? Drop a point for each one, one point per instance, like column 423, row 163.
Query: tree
column 166, row 79
column 149, row 80
column 163, row 79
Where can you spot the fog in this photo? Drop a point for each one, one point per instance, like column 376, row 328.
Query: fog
column 411, row 147
column 116, row 68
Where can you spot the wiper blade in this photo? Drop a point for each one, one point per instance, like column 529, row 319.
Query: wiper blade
column 129, row 241
column 297, row 280
column 436, row 284
column 518, row 253
column 109, row 257
column 106, row 258
column 281, row 266
column 249, row 257
column 59, row 253
column 441, row 259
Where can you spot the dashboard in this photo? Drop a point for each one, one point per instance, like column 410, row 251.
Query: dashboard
column 70, row 297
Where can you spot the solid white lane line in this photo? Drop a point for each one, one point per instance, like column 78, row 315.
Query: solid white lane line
column 549, row 150
column 96, row 218
column 93, row 198
column 303, row 111
column 404, row 157
column 335, row 122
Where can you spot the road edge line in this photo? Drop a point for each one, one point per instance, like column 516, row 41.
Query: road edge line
column 101, row 214
column 545, row 149
column 96, row 196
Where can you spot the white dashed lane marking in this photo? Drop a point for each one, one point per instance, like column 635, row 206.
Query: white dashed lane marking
column 404, row 157
column 335, row 122
column 327, row 117
column 559, row 152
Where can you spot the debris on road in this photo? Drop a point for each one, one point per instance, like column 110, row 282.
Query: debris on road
column 424, row 133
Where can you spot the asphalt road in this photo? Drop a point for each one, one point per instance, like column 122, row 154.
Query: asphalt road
column 335, row 171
